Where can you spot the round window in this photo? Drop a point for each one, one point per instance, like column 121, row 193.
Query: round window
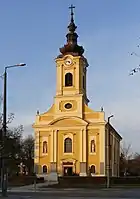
column 68, row 106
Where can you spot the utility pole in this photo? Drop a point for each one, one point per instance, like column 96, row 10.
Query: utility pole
column 108, row 151
column 4, row 156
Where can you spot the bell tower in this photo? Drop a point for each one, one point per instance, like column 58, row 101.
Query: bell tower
column 71, row 71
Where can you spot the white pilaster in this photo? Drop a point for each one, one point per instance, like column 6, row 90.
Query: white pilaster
column 77, row 76
column 102, row 149
column 59, row 79
column 52, row 147
column 83, row 163
column 81, row 148
column 37, row 152
column 118, row 158
column 55, row 145
column 113, row 151
column 84, row 145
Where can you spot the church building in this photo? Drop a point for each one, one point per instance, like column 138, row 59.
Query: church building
column 70, row 138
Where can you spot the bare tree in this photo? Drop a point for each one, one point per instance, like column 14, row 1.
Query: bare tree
column 126, row 150
column 126, row 155
column 12, row 141
column 28, row 152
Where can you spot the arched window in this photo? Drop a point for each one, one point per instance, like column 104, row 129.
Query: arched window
column 44, row 169
column 45, row 150
column 92, row 146
column 68, row 79
column 92, row 169
column 68, row 145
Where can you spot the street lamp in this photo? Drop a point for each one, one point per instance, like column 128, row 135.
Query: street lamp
column 3, row 155
column 108, row 150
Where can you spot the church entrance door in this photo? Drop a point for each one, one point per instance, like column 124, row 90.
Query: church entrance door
column 68, row 171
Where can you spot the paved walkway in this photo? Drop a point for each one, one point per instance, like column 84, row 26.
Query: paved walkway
column 77, row 194
column 32, row 188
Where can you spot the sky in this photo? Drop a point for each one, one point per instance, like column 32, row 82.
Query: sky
column 33, row 31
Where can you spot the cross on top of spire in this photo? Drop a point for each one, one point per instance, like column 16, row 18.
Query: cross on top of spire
column 72, row 13
column 72, row 27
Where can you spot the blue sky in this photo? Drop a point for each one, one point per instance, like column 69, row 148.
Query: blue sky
column 32, row 32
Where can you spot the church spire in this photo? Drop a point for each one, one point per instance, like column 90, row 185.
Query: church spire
column 72, row 47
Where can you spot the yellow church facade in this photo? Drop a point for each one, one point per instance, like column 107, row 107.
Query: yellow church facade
column 70, row 138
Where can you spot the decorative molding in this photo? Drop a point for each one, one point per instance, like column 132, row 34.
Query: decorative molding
column 67, row 117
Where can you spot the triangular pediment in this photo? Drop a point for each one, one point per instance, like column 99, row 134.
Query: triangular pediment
column 68, row 121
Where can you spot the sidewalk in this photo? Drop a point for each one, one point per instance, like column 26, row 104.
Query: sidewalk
column 31, row 188
column 42, row 187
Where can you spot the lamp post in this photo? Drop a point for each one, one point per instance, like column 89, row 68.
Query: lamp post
column 4, row 133
column 108, row 150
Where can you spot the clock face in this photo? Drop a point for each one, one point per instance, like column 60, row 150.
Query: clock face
column 68, row 61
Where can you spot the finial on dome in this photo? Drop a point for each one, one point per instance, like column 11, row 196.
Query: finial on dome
column 37, row 113
column 102, row 109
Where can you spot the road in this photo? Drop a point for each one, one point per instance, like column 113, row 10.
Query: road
column 76, row 193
